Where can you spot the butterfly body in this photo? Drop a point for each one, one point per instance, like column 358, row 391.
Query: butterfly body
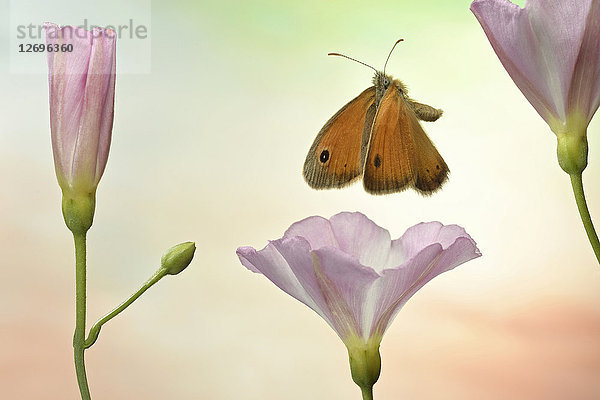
column 377, row 136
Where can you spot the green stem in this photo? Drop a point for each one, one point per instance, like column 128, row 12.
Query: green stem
column 95, row 330
column 577, row 183
column 80, row 309
column 367, row 393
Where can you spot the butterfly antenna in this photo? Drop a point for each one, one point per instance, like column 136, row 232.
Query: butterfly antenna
column 350, row 58
column 388, row 58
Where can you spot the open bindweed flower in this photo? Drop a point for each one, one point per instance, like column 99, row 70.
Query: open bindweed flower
column 82, row 91
column 349, row 271
column 551, row 50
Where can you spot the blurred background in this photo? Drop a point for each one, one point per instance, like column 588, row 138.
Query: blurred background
column 215, row 111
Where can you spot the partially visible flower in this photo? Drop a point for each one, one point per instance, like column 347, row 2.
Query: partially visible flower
column 551, row 50
column 81, row 75
column 349, row 271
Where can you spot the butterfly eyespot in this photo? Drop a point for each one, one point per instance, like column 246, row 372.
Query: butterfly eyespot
column 377, row 161
column 324, row 156
column 427, row 170
column 437, row 167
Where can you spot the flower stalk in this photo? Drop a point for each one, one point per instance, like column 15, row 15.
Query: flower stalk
column 584, row 212
column 367, row 393
column 95, row 329
column 80, row 314
column 174, row 260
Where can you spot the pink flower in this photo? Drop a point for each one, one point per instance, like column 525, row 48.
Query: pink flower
column 82, row 91
column 349, row 271
column 551, row 50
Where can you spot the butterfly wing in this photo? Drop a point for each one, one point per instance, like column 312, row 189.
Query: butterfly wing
column 337, row 155
column 399, row 152
column 431, row 169
column 389, row 166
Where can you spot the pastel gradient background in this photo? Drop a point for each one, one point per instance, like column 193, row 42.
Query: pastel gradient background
column 208, row 145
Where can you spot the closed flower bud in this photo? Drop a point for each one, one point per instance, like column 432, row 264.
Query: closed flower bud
column 82, row 91
column 178, row 257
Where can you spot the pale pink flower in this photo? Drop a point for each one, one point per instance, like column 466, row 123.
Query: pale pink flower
column 350, row 272
column 82, row 90
column 551, row 50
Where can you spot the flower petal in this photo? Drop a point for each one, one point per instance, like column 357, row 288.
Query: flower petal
column 584, row 94
column 98, row 106
column 345, row 284
column 558, row 27
column 518, row 36
column 82, row 86
column 364, row 239
column 67, row 78
column 334, row 287
column 551, row 50
column 353, row 233
column 397, row 285
column 273, row 264
column 316, row 230
column 419, row 236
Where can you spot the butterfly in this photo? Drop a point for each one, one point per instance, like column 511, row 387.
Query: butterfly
column 377, row 136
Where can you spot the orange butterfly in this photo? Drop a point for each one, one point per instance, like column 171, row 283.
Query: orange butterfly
column 377, row 136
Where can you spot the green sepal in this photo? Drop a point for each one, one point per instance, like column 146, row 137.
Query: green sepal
column 78, row 211
column 572, row 152
column 365, row 361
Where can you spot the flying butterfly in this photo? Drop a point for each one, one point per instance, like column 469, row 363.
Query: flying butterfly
column 377, row 135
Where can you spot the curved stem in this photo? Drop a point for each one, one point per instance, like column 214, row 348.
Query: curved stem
column 95, row 330
column 577, row 183
column 367, row 393
column 80, row 311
